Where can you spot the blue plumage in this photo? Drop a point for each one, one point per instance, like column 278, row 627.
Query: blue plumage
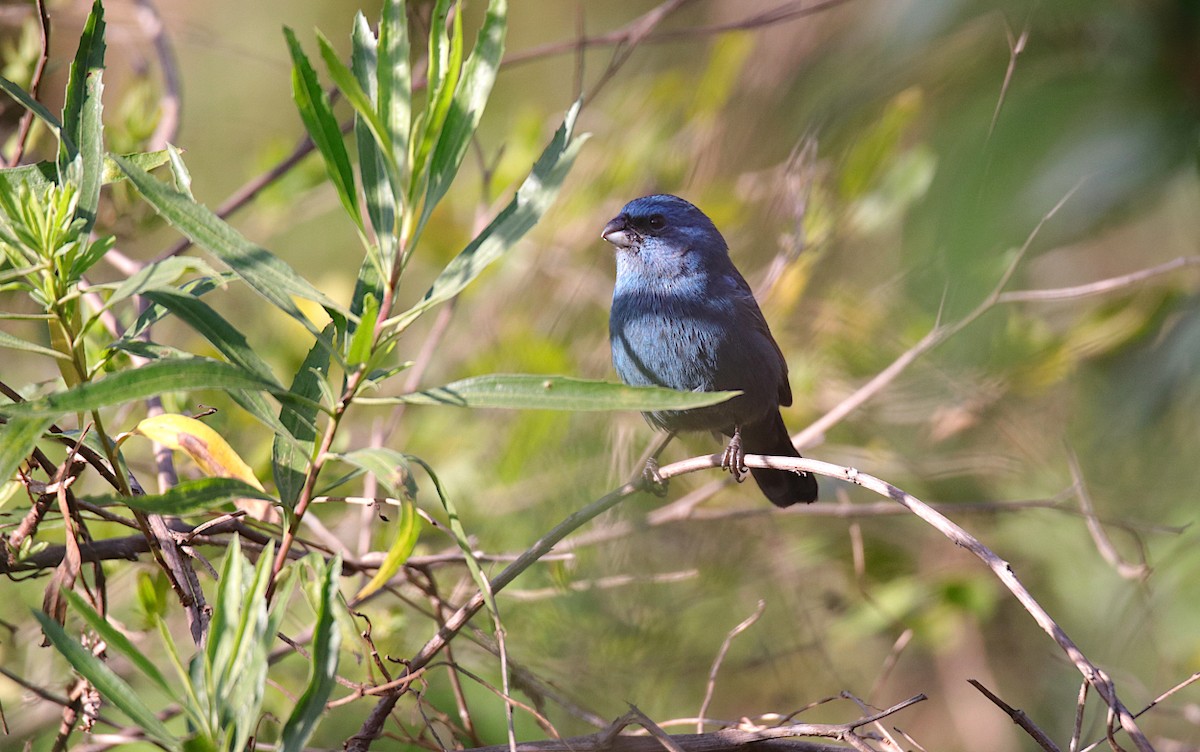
column 683, row 317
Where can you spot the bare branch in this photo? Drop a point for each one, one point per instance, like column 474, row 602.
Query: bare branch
column 711, row 686
column 1103, row 543
column 1019, row 717
column 774, row 739
column 1001, row 568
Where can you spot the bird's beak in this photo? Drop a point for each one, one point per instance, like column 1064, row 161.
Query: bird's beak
column 617, row 232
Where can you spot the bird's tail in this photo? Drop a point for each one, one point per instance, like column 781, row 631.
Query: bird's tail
column 782, row 487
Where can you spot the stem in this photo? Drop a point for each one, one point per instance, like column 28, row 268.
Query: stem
column 310, row 480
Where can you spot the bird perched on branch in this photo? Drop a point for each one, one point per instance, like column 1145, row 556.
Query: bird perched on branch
column 683, row 317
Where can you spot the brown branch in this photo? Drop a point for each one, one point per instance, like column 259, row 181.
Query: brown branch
column 35, row 83
column 1018, row 717
column 170, row 103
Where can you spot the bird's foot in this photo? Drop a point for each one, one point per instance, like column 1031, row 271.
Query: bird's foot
column 655, row 483
column 734, row 458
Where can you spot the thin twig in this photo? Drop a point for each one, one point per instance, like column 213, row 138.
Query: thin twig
column 1015, row 47
column 35, row 83
column 1103, row 543
column 1001, row 568
column 711, row 686
column 1100, row 287
column 611, row 740
column 1018, row 717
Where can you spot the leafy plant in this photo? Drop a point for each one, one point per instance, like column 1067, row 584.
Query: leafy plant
column 407, row 157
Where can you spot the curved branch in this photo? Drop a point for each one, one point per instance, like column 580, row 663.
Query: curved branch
column 1001, row 568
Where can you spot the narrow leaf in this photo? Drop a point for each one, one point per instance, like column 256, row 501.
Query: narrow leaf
column 213, row 327
column 150, row 380
column 82, row 116
column 158, row 275
column 322, row 126
column 193, row 496
column 464, row 543
column 379, row 188
column 533, row 198
column 16, row 343
column 105, row 680
column 266, row 273
column 388, row 466
column 18, row 437
column 470, row 98
column 37, row 108
column 357, row 96
column 364, row 334
column 527, row 391
column 327, row 640
column 290, row 460
column 395, row 79
column 119, row 642
column 408, row 529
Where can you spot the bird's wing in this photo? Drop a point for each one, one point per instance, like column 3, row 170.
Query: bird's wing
column 749, row 314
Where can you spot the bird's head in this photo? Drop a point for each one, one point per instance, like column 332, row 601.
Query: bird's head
column 663, row 224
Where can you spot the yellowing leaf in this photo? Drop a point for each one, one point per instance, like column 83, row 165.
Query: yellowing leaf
column 208, row 449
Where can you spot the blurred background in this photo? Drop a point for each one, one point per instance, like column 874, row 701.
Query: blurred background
column 876, row 166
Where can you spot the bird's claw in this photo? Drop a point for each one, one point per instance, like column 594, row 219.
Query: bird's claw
column 733, row 460
column 655, row 483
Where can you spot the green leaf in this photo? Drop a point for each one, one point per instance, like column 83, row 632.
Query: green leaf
column 360, row 343
column 159, row 275
column 322, row 126
column 445, row 66
column 389, row 467
column 266, row 273
column 119, row 642
column 16, row 343
column 478, row 76
column 192, row 496
column 527, row 391
column 379, row 189
column 82, row 109
column 213, row 327
column 327, row 640
column 112, row 687
column 408, row 530
column 36, row 107
column 146, row 160
column 464, row 543
column 533, row 198
column 18, row 437
column 290, row 460
column 356, row 95
column 394, row 103
column 240, row 636
column 150, row 380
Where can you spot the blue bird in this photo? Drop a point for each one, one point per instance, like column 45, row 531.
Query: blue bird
column 683, row 317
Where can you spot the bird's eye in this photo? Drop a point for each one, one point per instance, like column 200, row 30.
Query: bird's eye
column 656, row 222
